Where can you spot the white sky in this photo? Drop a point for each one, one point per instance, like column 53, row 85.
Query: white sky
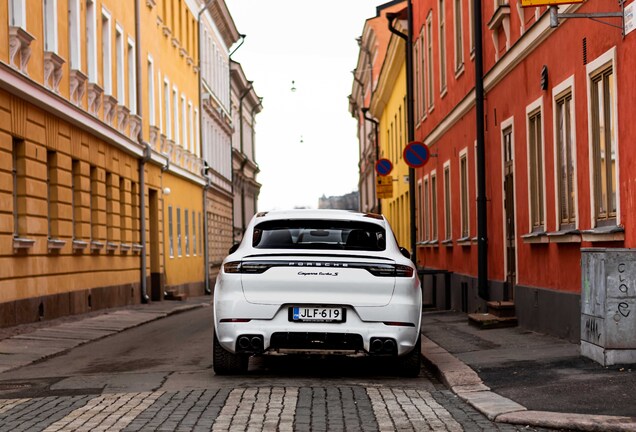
column 312, row 43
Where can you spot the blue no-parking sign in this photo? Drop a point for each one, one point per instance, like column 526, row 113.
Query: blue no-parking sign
column 383, row 167
column 416, row 154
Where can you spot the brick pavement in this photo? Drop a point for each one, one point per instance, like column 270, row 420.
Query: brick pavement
column 251, row 409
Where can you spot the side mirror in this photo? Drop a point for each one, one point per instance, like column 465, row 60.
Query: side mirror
column 405, row 252
column 234, row 248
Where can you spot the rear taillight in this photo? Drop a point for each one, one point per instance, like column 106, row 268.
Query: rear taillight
column 232, row 267
column 246, row 267
column 390, row 270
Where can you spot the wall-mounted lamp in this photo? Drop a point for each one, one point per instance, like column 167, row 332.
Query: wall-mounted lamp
column 166, row 191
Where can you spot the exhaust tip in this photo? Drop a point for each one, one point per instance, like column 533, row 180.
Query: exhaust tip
column 376, row 345
column 389, row 345
column 256, row 343
column 243, row 342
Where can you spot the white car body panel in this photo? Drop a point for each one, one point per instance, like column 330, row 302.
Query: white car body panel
column 261, row 301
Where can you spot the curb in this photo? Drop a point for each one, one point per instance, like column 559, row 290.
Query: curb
column 466, row 384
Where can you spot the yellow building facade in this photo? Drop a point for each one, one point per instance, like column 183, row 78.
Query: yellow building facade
column 98, row 144
column 388, row 104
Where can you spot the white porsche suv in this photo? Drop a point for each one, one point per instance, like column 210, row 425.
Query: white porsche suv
column 317, row 282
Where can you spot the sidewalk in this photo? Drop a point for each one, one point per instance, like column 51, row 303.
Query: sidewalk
column 516, row 376
column 30, row 343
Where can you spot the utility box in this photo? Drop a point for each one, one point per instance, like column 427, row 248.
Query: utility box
column 608, row 305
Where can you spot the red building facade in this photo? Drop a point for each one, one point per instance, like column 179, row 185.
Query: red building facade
column 557, row 145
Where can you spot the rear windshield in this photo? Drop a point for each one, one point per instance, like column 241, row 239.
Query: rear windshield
column 319, row 234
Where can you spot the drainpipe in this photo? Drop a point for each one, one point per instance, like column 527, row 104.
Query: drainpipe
column 408, row 38
column 376, row 125
column 482, row 213
column 232, row 152
column 146, row 157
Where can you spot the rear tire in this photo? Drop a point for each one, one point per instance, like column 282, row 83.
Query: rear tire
column 225, row 362
column 409, row 365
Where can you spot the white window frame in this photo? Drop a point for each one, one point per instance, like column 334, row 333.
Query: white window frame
column 435, row 208
column 107, row 53
column 463, row 177
column 441, row 45
column 91, row 41
column 565, row 86
column 132, row 77
column 459, row 41
column 448, row 210
column 427, row 208
column 74, row 35
column 537, row 105
column 166, row 98
column 604, row 60
column 430, row 69
column 152, row 116
column 191, row 123
column 197, row 149
column 49, row 22
column 175, row 111
column 17, row 13
column 120, row 64
column 184, row 123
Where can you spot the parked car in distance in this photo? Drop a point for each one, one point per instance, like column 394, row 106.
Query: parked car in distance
column 317, row 282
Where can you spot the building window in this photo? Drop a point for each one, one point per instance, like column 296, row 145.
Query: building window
column 535, row 160
column 471, row 36
column 132, row 78
column 124, row 223
column 135, row 212
column 17, row 13
column 107, row 54
column 422, row 102
column 184, row 123
column 194, row 234
column 179, row 250
column 76, row 199
column 565, row 159
column 463, row 193
column 426, row 210
column 91, row 41
column 201, row 233
column 51, row 183
column 191, row 123
column 434, row 230
column 197, row 147
column 175, row 111
column 110, row 210
column 459, row 35
column 18, row 173
column 166, row 99
column 50, row 25
column 74, row 37
column 420, row 222
column 186, row 219
column 94, row 203
column 442, row 46
column 604, row 146
column 429, row 59
column 151, row 92
column 119, row 65
column 447, row 202
column 170, row 232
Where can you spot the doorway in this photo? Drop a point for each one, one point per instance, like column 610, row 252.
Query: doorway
column 155, row 257
column 509, row 214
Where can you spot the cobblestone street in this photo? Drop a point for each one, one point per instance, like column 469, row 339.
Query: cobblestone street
column 349, row 408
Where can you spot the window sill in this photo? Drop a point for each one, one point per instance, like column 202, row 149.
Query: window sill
column 448, row 242
column 111, row 246
column 475, row 240
column 497, row 18
column 604, row 234
column 565, row 236
column 459, row 71
column 464, row 241
column 125, row 247
column 56, row 244
column 79, row 245
column 443, row 92
column 22, row 244
column 538, row 237
column 430, row 244
column 136, row 247
column 96, row 246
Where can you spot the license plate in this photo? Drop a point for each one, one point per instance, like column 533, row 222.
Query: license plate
column 317, row 314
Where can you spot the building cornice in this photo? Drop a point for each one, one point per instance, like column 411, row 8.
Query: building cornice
column 32, row 92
